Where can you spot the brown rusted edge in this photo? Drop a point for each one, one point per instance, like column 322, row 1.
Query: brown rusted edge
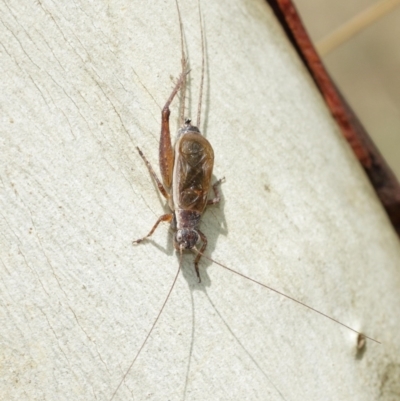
column 381, row 176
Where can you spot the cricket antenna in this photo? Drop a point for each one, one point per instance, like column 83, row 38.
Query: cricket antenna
column 151, row 329
column 184, row 66
column 202, row 68
column 284, row 295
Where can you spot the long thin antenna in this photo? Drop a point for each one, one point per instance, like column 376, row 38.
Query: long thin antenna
column 202, row 68
column 284, row 295
column 184, row 66
column 150, row 331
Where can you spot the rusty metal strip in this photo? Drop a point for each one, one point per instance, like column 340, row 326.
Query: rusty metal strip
column 381, row 176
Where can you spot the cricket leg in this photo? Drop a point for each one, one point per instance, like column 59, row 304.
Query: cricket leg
column 165, row 217
column 198, row 257
column 217, row 196
column 166, row 151
column 184, row 67
column 154, row 175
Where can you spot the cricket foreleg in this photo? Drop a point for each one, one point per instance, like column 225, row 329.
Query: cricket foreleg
column 198, row 257
column 154, row 175
column 165, row 217
column 217, row 196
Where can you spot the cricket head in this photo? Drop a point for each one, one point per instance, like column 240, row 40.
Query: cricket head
column 186, row 238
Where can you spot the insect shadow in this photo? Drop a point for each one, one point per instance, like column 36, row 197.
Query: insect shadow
column 213, row 225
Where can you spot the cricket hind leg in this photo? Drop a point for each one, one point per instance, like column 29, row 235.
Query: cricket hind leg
column 166, row 151
column 217, row 195
column 165, row 217
column 154, row 175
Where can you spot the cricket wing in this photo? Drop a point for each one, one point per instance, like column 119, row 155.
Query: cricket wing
column 195, row 161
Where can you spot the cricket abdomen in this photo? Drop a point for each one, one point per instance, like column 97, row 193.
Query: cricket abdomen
column 194, row 161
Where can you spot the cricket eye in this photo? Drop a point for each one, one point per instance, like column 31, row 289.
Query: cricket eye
column 187, row 238
column 179, row 236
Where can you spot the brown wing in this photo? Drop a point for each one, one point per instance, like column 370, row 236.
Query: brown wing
column 195, row 158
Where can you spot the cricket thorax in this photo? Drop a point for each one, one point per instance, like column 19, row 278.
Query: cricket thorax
column 187, row 219
column 186, row 235
column 187, row 127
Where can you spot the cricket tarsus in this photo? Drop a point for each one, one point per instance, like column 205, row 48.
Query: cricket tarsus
column 284, row 295
column 150, row 331
column 165, row 217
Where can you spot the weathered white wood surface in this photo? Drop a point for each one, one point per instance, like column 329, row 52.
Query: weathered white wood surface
column 83, row 83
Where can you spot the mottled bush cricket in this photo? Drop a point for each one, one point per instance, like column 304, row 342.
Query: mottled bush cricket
column 186, row 171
